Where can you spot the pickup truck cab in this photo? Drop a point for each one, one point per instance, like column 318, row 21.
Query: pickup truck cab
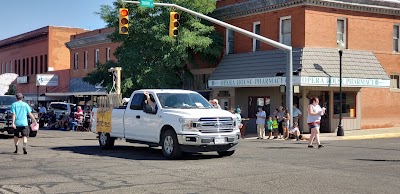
column 181, row 121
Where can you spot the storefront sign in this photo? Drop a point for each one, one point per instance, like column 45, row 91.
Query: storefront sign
column 46, row 80
column 302, row 81
column 346, row 82
column 249, row 82
column 22, row 80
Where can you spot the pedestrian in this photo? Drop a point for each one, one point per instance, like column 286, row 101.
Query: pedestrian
column 313, row 119
column 296, row 113
column 270, row 127
column 261, row 115
column 19, row 111
column 275, row 126
column 237, row 112
column 214, row 104
column 280, row 116
column 295, row 131
column 42, row 111
column 285, row 124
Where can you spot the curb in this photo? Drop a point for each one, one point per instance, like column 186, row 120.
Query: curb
column 373, row 136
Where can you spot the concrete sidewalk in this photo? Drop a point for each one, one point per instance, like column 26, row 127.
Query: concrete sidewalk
column 353, row 134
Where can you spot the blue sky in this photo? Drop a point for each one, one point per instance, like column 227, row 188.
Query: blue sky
column 17, row 17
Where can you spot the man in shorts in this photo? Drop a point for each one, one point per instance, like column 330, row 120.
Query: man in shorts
column 19, row 111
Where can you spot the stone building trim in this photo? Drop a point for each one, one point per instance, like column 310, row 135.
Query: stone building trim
column 89, row 41
column 261, row 6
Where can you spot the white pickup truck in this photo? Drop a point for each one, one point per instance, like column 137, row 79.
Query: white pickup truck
column 181, row 121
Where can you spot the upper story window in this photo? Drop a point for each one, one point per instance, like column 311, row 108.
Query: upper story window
column 394, row 82
column 11, row 67
column 230, row 41
column 85, row 60
column 2, row 68
column 256, row 30
column 341, row 31
column 76, row 61
column 396, row 38
column 108, row 50
column 7, row 67
column 96, row 57
column 285, row 30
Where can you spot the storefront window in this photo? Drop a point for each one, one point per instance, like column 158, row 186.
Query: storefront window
column 258, row 101
column 349, row 104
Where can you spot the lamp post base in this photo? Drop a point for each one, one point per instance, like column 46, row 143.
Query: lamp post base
column 340, row 131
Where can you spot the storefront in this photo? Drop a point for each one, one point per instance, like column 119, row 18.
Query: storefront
column 255, row 80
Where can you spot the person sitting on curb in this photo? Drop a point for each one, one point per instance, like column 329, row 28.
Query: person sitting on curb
column 294, row 131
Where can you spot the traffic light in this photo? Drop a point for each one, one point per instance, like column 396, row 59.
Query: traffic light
column 123, row 21
column 173, row 23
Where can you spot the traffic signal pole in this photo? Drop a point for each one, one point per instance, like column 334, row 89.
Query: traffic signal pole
column 287, row 49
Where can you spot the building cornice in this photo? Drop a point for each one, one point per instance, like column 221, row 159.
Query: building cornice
column 261, row 6
column 89, row 41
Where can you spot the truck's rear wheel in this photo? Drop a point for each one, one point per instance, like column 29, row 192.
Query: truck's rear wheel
column 226, row 153
column 170, row 145
column 106, row 141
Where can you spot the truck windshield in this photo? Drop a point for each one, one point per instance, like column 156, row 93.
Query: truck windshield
column 183, row 100
column 7, row 100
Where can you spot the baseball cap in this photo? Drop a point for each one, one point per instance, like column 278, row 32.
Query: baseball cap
column 19, row 96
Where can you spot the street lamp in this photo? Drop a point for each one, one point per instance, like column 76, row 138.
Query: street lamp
column 340, row 46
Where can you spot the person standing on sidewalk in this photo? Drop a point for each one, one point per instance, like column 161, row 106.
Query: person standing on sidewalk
column 313, row 119
column 19, row 111
column 261, row 115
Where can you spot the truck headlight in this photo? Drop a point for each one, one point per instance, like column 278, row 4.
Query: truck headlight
column 188, row 124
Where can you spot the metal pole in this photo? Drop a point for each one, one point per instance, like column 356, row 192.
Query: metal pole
column 289, row 67
column 37, row 96
column 340, row 131
column 289, row 85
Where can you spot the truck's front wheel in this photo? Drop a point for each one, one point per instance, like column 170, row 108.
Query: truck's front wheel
column 106, row 141
column 170, row 145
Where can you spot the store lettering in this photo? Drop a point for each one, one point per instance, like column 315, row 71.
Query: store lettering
column 252, row 81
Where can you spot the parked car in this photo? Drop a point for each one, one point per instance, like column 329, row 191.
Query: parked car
column 5, row 116
column 58, row 108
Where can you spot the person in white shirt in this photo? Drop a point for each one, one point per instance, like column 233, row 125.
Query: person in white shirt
column 314, row 119
column 261, row 115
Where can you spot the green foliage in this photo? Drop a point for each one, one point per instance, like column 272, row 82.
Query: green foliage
column 12, row 90
column 148, row 56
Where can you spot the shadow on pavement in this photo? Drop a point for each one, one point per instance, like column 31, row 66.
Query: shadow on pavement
column 3, row 136
column 130, row 152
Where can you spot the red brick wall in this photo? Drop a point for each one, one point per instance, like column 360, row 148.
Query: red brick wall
column 269, row 23
column 81, row 72
column 365, row 31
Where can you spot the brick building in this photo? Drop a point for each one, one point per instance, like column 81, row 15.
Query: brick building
column 40, row 51
column 88, row 50
column 253, row 74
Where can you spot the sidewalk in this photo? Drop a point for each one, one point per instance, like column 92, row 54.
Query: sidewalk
column 353, row 134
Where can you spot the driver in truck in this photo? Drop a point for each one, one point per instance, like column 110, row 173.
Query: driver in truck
column 150, row 100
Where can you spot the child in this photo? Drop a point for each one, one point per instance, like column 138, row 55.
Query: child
column 295, row 131
column 275, row 127
column 270, row 127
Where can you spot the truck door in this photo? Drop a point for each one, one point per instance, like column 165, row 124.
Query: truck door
column 151, row 125
column 133, row 118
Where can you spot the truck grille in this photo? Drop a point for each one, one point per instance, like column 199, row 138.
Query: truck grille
column 216, row 125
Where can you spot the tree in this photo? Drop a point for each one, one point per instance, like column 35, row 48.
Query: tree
column 12, row 90
column 148, row 56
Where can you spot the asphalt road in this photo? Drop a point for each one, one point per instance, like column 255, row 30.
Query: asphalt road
column 72, row 162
